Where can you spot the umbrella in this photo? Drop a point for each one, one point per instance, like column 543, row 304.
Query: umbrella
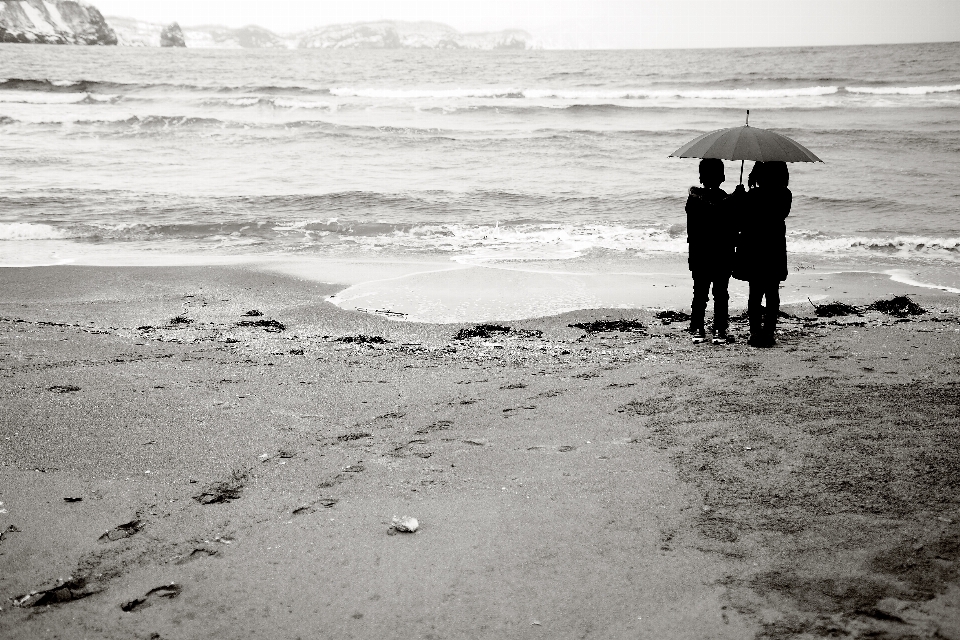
column 746, row 143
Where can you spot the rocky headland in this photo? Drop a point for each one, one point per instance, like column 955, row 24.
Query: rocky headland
column 76, row 22
column 53, row 22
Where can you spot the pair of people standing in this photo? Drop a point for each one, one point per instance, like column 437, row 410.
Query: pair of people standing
column 742, row 234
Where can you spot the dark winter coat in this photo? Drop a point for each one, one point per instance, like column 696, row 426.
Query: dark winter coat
column 761, row 215
column 710, row 232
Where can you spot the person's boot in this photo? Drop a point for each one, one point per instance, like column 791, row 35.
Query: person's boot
column 699, row 335
column 770, row 337
column 756, row 332
column 720, row 336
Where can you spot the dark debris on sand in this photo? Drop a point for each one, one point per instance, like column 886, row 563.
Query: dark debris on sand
column 63, row 388
column 73, row 589
column 122, row 531
column 181, row 319
column 834, row 309
column 481, row 331
column 627, row 326
column 253, row 313
column 168, row 592
column 224, row 490
column 898, row 306
column 670, row 316
column 268, row 325
column 362, row 339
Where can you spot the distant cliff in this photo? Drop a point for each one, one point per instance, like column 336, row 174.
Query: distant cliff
column 408, row 35
column 364, row 35
column 53, row 22
column 136, row 33
column 77, row 22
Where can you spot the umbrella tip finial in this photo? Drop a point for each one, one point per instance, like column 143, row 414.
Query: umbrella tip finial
column 748, row 117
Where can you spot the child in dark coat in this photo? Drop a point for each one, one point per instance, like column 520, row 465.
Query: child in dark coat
column 761, row 257
column 712, row 238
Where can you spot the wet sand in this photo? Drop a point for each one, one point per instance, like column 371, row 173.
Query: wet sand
column 169, row 472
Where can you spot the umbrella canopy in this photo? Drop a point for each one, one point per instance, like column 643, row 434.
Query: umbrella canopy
column 746, row 143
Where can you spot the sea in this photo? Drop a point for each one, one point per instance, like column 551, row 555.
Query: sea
column 450, row 185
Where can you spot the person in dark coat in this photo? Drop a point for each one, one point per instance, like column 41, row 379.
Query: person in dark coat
column 711, row 237
column 761, row 257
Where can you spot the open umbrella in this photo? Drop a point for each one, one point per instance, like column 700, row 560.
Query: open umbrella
column 746, row 143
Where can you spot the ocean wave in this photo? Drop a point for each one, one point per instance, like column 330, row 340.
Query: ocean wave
column 280, row 102
column 99, row 86
column 518, row 240
column 583, row 94
column 903, row 246
column 30, row 231
column 905, row 91
column 37, row 97
column 484, row 92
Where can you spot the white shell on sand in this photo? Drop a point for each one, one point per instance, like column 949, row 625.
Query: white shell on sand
column 406, row 524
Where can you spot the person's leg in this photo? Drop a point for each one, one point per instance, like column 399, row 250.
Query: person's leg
column 772, row 294
column 755, row 312
column 698, row 308
column 721, row 311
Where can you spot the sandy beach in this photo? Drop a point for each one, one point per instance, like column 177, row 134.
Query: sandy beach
column 218, row 452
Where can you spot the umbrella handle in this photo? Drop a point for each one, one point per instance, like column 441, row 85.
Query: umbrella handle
column 741, row 169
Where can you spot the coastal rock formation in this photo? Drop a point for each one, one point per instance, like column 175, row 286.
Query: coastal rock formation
column 218, row 37
column 136, row 33
column 172, row 36
column 77, row 22
column 53, row 22
column 409, row 35
column 366, row 35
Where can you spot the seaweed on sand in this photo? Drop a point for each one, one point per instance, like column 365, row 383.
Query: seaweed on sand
column 630, row 326
column 181, row 319
column 362, row 339
column 268, row 325
column 899, row 306
column 481, row 331
column 669, row 316
column 834, row 309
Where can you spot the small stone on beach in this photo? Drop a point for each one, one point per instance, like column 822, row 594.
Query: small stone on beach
column 404, row 524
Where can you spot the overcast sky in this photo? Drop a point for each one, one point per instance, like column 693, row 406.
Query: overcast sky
column 609, row 24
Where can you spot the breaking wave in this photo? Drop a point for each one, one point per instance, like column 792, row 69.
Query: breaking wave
column 905, row 91
column 529, row 241
column 29, row 231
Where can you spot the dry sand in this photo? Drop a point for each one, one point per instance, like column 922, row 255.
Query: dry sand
column 169, row 474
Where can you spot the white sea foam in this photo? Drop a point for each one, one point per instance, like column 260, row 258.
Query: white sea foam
column 905, row 277
column 243, row 102
column 291, row 103
column 905, row 91
column 475, row 243
column 42, row 97
column 707, row 94
column 29, row 231
column 583, row 94
column 487, row 92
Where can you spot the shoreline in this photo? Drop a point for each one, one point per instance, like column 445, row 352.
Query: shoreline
column 167, row 454
column 438, row 291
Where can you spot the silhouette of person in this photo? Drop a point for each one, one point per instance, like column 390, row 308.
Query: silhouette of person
column 761, row 257
column 711, row 237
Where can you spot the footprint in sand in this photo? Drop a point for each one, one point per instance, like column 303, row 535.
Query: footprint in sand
column 311, row 507
column 168, row 592
column 122, row 531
